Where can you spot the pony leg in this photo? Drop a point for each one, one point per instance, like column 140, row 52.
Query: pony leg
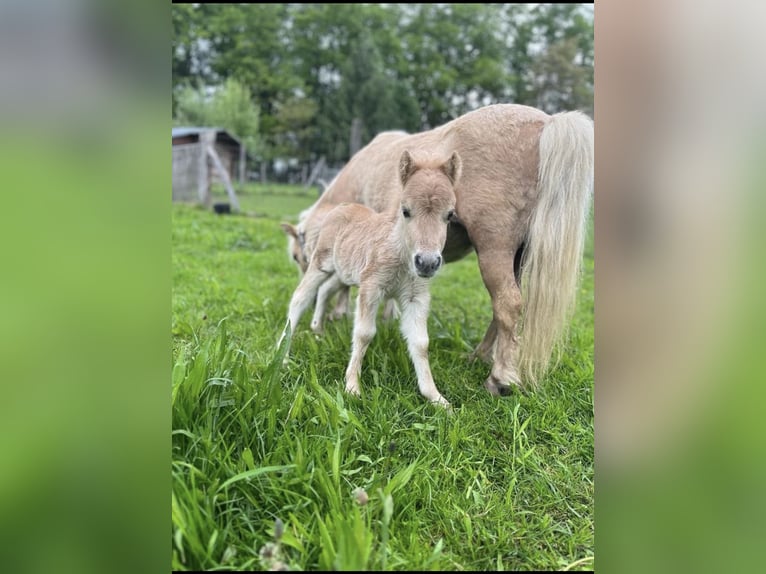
column 506, row 305
column 364, row 330
column 414, row 328
column 391, row 310
column 326, row 290
column 302, row 298
column 341, row 305
column 487, row 346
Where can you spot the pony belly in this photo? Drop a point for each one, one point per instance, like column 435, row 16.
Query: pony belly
column 458, row 244
column 349, row 277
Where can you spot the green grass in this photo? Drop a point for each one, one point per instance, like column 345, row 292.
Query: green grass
column 270, row 200
column 498, row 484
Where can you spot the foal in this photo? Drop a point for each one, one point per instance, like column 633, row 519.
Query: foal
column 391, row 254
column 300, row 243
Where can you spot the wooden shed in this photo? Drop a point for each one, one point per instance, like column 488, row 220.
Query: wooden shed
column 203, row 156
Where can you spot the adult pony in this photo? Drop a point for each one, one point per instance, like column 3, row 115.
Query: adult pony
column 521, row 202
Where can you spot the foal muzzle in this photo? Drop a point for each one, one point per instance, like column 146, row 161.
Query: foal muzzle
column 426, row 264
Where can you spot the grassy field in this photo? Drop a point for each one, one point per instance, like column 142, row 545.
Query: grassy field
column 276, row 466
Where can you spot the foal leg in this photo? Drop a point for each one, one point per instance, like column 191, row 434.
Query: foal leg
column 364, row 330
column 487, row 346
column 326, row 291
column 414, row 327
column 391, row 310
column 341, row 308
column 303, row 297
column 506, row 305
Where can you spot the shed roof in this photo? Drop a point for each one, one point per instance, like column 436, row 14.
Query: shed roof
column 182, row 131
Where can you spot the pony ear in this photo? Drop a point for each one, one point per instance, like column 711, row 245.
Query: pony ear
column 453, row 167
column 289, row 229
column 406, row 167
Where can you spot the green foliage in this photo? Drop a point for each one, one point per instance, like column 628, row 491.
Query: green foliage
column 383, row 482
column 455, row 50
column 186, row 56
column 559, row 82
column 314, row 70
column 229, row 107
column 296, row 121
column 248, row 42
column 561, row 76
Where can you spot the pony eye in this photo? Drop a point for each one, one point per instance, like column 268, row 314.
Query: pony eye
column 296, row 258
column 405, row 212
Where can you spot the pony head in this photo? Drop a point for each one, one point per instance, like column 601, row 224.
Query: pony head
column 296, row 239
column 427, row 206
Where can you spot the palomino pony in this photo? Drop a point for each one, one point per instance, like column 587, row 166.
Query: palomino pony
column 522, row 204
column 389, row 254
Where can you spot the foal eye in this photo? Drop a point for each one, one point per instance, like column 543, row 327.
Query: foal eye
column 405, row 212
column 450, row 215
column 296, row 258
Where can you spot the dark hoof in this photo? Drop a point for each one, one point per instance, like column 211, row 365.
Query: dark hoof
column 497, row 389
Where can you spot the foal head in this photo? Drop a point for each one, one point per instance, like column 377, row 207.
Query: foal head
column 427, row 207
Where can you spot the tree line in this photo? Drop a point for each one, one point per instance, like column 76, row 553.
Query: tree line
column 305, row 81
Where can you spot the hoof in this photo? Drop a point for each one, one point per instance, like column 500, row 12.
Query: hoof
column 442, row 402
column 353, row 390
column 498, row 389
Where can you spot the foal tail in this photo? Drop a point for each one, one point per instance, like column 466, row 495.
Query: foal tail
column 554, row 245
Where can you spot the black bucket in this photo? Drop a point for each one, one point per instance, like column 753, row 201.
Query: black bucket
column 222, row 208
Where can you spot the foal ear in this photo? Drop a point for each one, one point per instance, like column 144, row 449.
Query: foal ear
column 406, row 166
column 289, row 229
column 453, row 167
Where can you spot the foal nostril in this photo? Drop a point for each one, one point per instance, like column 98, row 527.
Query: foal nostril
column 427, row 264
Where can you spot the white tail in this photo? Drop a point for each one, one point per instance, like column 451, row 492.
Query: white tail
column 555, row 240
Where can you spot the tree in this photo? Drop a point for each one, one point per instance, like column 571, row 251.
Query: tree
column 315, row 71
column 368, row 94
column 248, row 42
column 296, row 127
column 454, row 58
column 560, row 75
column 229, row 106
column 560, row 83
column 189, row 60
column 348, row 56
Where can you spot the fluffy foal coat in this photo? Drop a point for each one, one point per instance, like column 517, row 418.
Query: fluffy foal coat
column 388, row 255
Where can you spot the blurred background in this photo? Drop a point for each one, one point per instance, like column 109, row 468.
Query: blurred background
column 85, row 104
column 304, row 86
